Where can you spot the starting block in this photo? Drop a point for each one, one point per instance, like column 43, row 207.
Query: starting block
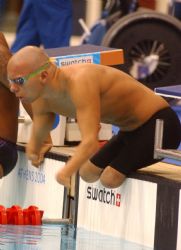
column 173, row 92
column 86, row 54
column 169, row 91
column 65, row 56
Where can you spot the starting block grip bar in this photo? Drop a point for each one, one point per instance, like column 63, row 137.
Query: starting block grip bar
column 56, row 221
column 158, row 137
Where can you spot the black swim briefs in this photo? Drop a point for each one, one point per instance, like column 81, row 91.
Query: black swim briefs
column 8, row 155
column 129, row 151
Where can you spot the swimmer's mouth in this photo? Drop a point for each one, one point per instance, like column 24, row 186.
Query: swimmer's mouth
column 20, row 97
column 23, row 99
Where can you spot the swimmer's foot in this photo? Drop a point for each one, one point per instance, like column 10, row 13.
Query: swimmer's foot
column 63, row 180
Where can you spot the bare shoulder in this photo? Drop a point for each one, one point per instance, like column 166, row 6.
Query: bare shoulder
column 97, row 72
column 90, row 80
column 83, row 69
column 86, row 75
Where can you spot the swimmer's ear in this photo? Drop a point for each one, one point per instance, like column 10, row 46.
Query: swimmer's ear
column 44, row 76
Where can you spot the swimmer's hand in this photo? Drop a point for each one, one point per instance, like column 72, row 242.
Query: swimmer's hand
column 46, row 146
column 34, row 157
column 63, row 179
column 37, row 158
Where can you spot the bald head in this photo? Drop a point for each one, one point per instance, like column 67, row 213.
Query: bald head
column 26, row 60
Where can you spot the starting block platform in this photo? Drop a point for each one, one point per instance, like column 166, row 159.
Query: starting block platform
column 173, row 92
column 86, row 54
column 170, row 91
column 145, row 210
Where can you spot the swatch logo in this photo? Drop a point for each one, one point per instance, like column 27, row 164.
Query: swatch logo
column 103, row 195
column 118, row 200
column 74, row 60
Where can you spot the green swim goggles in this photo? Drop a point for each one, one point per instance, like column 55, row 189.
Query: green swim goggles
column 22, row 79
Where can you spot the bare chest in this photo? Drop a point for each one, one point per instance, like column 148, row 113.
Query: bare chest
column 62, row 105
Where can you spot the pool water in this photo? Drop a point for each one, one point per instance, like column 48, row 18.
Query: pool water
column 55, row 237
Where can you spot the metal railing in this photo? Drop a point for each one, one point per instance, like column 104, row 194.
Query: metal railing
column 158, row 151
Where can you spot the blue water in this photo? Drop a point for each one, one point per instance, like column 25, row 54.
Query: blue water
column 55, row 237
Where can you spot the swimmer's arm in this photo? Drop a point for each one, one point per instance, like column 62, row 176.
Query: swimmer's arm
column 47, row 144
column 89, row 128
column 88, row 118
column 42, row 124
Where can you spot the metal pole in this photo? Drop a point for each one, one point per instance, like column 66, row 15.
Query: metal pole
column 158, row 137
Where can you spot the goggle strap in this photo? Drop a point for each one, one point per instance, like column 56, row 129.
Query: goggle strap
column 40, row 69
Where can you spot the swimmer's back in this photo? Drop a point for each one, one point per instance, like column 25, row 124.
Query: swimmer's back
column 124, row 101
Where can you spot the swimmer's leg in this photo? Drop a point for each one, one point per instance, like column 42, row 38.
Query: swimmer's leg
column 90, row 172
column 111, row 178
column 99, row 165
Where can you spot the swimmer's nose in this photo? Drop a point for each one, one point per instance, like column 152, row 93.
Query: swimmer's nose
column 14, row 88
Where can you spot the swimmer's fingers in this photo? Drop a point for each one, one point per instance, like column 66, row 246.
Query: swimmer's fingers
column 36, row 162
column 41, row 158
column 44, row 149
column 34, row 159
column 38, row 158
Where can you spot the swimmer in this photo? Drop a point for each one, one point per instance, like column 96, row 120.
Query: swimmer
column 92, row 94
column 9, row 108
